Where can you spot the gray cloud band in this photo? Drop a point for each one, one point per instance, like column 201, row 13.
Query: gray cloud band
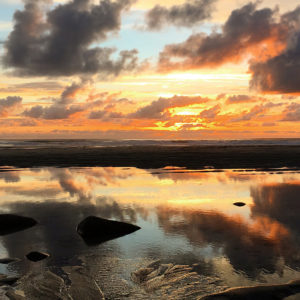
column 187, row 15
column 58, row 41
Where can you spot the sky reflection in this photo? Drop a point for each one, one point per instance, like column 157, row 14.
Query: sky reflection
column 186, row 216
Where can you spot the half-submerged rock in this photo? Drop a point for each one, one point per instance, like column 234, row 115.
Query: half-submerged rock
column 13, row 223
column 8, row 260
column 37, row 256
column 262, row 292
column 239, row 204
column 96, row 230
column 8, row 280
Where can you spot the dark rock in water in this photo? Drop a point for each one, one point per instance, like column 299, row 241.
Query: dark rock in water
column 15, row 295
column 37, row 256
column 96, row 230
column 239, row 204
column 8, row 260
column 5, row 280
column 13, row 223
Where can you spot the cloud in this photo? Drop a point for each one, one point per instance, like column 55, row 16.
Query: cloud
column 9, row 104
column 292, row 113
column 10, row 176
column 156, row 109
column 281, row 73
column 110, row 107
column 255, row 111
column 62, row 108
column 102, row 114
column 245, row 29
column 247, row 116
column 188, row 14
column 239, row 99
column 67, row 105
column 210, row 113
column 43, row 85
column 54, row 112
column 58, row 41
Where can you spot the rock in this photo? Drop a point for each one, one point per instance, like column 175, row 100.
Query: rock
column 6, row 280
column 15, row 295
column 96, row 230
column 260, row 292
column 37, row 256
column 9, row 280
column 8, row 260
column 44, row 285
column 13, row 223
column 83, row 286
column 239, row 204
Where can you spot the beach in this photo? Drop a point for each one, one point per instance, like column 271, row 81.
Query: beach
column 210, row 219
column 149, row 156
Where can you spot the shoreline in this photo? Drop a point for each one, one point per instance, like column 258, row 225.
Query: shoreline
column 154, row 157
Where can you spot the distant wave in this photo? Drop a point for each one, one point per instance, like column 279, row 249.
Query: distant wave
column 121, row 143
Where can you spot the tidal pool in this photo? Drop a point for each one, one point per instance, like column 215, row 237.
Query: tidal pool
column 186, row 217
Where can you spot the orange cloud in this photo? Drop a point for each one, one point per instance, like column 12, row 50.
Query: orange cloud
column 247, row 31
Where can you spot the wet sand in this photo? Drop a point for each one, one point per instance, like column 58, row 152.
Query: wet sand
column 218, row 157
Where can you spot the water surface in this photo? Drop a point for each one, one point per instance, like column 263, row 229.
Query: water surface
column 186, row 216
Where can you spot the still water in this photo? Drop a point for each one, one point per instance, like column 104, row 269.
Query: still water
column 186, row 217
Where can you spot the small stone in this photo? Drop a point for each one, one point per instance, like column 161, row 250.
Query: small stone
column 8, row 260
column 37, row 256
column 239, row 204
column 6, row 280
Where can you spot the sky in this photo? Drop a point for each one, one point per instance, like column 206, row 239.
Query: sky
column 126, row 69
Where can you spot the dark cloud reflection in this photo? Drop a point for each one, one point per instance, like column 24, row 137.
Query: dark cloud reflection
column 56, row 232
column 249, row 247
column 280, row 202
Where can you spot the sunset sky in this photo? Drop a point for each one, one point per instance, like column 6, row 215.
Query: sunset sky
column 197, row 69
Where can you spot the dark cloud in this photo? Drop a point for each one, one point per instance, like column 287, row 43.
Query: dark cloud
column 9, row 104
column 57, row 41
column 109, row 104
column 10, row 176
column 156, row 109
column 44, row 85
column 62, row 108
column 102, row 114
column 53, row 112
column 246, row 28
column 210, row 113
column 188, row 14
column 256, row 111
column 239, row 99
column 282, row 72
column 252, row 113
column 292, row 113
